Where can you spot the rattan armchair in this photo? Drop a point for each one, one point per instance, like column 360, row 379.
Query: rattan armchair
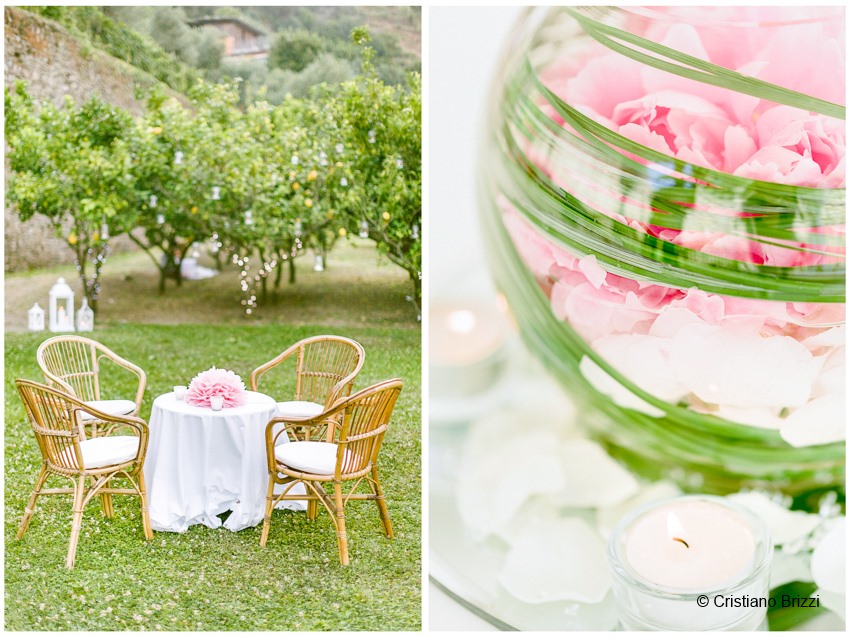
column 56, row 419
column 326, row 367
column 342, row 445
column 72, row 363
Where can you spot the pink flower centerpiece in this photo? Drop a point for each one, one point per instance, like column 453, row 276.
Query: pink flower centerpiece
column 216, row 382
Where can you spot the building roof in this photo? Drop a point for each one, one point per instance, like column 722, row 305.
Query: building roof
column 201, row 22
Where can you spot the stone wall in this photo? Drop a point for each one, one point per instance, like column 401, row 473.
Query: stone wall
column 56, row 64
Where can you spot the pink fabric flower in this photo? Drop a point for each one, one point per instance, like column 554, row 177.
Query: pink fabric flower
column 216, row 382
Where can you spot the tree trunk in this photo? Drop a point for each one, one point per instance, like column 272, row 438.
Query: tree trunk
column 291, row 270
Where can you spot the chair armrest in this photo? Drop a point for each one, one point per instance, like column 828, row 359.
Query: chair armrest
column 133, row 422
column 262, row 369
column 135, row 369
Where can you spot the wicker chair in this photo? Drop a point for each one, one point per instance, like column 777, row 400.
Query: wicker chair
column 351, row 456
column 72, row 363
column 326, row 367
column 56, row 419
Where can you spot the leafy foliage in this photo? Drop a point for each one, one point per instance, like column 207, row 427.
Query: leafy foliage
column 260, row 184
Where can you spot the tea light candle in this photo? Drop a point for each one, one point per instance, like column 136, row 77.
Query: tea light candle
column 682, row 564
column 216, row 402
column 466, row 348
column 180, row 392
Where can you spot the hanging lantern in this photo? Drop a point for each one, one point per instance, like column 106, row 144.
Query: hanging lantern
column 104, row 231
column 339, row 149
column 364, row 230
column 178, row 158
column 153, row 201
column 160, row 219
column 298, row 227
column 61, row 307
column 216, row 193
column 319, row 264
column 415, row 233
column 85, row 317
column 372, row 136
column 35, row 318
column 249, row 218
column 399, row 163
column 343, row 182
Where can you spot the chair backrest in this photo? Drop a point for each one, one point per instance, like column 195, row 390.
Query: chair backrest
column 53, row 417
column 325, row 368
column 72, row 363
column 323, row 363
column 365, row 418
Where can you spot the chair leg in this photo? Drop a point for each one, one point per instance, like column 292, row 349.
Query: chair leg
column 30, row 509
column 77, row 521
column 106, row 502
column 312, row 509
column 267, row 520
column 382, row 503
column 143, row 496
column 341, row 537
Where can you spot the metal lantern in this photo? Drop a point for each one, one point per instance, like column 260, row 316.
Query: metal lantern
column 249, row 218
column 319, row 264
column 178, row 157
column 415, row 233
column 216, row 194
column 364, row 229
column 61, row 307
column 35, row 318
column 85, row 317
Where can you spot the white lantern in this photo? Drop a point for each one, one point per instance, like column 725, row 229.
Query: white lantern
column 249, row 218
column 178, row 157
column 364, row 229
column 61, row 307
column 319, row 264
column 299, row 228
column 216, row 195
column 415, row 233
column 85, row 317
column 35, row 318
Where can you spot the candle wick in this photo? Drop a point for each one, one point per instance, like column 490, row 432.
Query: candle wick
column 678, row 539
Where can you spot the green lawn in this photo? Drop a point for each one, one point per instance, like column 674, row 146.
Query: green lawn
column 213, row 579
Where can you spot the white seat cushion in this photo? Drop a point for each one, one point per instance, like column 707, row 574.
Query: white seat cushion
column 109, row 450
column 308, row 456
column 300, row 409
column 111, row 407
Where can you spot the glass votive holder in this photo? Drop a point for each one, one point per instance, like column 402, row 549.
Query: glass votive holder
column 216, row 402
column 180, row 392
column 691, row 563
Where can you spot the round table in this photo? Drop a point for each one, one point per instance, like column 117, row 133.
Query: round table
column 201, row 463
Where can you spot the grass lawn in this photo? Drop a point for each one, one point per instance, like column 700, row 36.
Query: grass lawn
column 210, row 579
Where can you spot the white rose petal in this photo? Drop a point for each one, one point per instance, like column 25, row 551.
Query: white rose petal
column 836, row 602
column 605, row 384
column 828, row 569
column 490, row 489
column 557, row 560
column 591, row 478
column 832, row 337
column 818, row 423
column 761, row 417
column 742, row 368
column 643, row 360
column 785, row 526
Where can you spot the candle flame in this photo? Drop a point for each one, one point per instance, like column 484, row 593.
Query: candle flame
column 675, row 529
column 461, row 321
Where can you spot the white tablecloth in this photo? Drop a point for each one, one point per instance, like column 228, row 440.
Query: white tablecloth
column 201, row 463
